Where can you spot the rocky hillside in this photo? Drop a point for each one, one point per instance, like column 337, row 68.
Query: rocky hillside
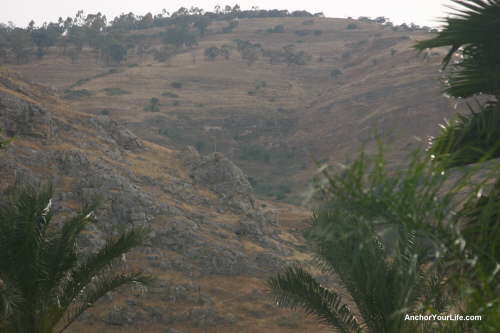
column 315, row 89
column 212, row 243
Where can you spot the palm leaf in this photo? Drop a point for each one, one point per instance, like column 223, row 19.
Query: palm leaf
column 297, row 288
column 62, row 252
column 99, row 287
column 95, row 263
column 473, row 35
column 469, row 138
column 50, row 279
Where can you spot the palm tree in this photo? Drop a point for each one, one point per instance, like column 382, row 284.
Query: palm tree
column 473, row 35
column 378, row 228
column 367, row 233
column 44, row 283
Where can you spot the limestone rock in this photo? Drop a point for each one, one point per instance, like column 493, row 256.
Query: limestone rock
column 21, row 117
column 123, row 137
column 226, row 179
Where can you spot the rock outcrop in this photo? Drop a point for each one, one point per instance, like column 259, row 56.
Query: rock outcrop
column 223, row 177
column 201, row 210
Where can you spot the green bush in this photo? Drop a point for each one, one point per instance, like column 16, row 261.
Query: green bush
column 405, row 234
column 169, row 94
column 176, row 85
column 352, row 26
column 230, row 27
column 115, row 91
column 335, row 73
column 77, row 94
column 260, row 84
column 280, row 28
column 153, row 105
column 255, row 153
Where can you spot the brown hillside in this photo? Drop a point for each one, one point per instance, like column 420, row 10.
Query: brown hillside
column 274, row 129
column 212, row 244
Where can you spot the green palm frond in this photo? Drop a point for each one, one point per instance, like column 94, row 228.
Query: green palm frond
column 297, row 288
column 469, row 138
column 351, row 248
column 114, row 248
column 62, row 250
column 99, row 287
column 9, row 300
column 473, row 36
column 52, row 280
column 481, row 229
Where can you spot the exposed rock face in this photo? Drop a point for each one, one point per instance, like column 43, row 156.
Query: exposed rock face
column 22, row 117
column 200, row 217
column 123, row 137
column 224, row 178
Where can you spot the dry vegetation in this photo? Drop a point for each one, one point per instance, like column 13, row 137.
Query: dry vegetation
column 300, row 113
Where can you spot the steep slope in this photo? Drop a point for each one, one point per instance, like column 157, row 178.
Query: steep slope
column 271, row 117
column 212, row 243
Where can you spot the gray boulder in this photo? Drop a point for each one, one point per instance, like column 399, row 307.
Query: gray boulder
column 226, row 179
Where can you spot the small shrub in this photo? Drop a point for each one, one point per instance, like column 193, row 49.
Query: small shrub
column 335, row 73
column 164, row 54
column 255, row 153
column 200, row 146
column 169, row 94
column 346, row 55
column 260, row 84
column 352, row 26
column 280, row 28
column 133, row 65
column 105, row 112
column 153, row 106
column 77, row 94
column 211, row 52
column 308, row 22
column 176, row 103
column 302, row 33
column 81, row 81
column 282, row 191
column 176, row 85
column 317, row 32
column 230, row 27
column 252, row 181
column 115, row 91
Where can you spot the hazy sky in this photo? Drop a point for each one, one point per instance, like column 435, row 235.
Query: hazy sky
column 422, row 12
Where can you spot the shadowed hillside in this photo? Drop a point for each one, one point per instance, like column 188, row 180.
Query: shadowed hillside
column 211, row 246
column 283, row 92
